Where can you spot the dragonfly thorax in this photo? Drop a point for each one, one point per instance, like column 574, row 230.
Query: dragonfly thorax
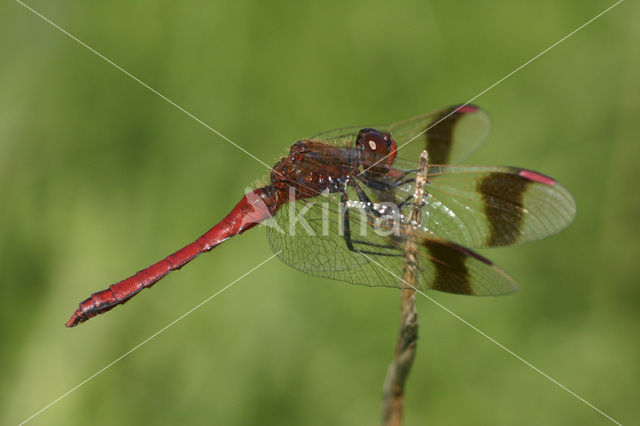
column 314, row 167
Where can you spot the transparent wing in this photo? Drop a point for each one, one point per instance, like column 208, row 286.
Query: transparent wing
column 345, row 136
column 449, row 135
column 309, row 235
column 489, row 206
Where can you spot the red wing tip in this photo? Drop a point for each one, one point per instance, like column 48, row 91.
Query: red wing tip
column 466, row 109
column 461, row 249
column 468, row 252
column 537, row 177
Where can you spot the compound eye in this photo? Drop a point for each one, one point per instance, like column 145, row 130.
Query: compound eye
column 373, row 141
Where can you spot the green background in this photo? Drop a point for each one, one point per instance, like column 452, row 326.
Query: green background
column 99, row 177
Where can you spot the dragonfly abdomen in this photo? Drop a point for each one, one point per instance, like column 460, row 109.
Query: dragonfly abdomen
column 254, row 208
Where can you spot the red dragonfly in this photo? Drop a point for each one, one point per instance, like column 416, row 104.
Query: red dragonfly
column 308, row 207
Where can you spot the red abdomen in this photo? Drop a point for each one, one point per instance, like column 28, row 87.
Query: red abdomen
column 254, row 208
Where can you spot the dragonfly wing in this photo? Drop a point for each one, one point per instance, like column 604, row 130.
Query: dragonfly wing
column 452, row 268
column 344, row 136
column 317, row 246
column 491, row 206
column 449, row 135
column 308, row 235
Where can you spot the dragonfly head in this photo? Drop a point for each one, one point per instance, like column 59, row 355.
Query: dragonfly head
column 376, row 150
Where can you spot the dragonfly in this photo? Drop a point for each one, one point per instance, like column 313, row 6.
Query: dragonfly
column 338, row 206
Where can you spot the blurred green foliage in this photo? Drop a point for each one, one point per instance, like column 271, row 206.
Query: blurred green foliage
column 99, row 177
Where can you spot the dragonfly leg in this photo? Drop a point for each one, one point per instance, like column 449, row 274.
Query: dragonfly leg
column 349, row 241
column 365, row 199
column 367, row 202
column 370, row 206
column 376, row 184
column 407, row 201
column 345, row 222
column 398, row 182
column 384, row 186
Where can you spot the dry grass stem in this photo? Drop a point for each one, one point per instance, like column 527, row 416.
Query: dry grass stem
column 393, row 392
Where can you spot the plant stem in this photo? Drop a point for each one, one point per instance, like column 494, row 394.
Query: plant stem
column 393, row 391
